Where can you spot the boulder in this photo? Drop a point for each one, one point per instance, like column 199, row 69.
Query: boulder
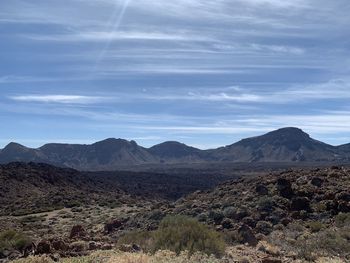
column 344, row 207
column 316, row 181
column 43, row 247
column 300, row 203
column 247, row 235
column 261, row 189
column 59, row 245
column 284, row 188
column 264, row 227
column 343, row 196
column 112, row 226
column 227, row 223
column 77, row 231
column 249, row 221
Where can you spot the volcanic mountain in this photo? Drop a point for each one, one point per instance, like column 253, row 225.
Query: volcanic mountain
column 283, row 145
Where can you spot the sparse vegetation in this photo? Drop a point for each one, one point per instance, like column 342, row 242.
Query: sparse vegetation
column 11, row 239
column 254, row 222
column 178, row 234
column 342, row 220
column 315, row 226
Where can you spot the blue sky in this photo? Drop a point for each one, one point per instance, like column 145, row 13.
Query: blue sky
column 206, row 73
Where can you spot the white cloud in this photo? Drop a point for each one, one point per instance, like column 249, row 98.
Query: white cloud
column 21, row 79
column 278, row 49
column 65, row 99
column 103, row 36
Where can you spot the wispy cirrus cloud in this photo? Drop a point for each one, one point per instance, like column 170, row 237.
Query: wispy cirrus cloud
column 159, row 69
column 64, row 99
column 103, row 36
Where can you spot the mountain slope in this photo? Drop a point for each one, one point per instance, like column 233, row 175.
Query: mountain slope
column 17, row 152
column 31, row 187
column 283, row 145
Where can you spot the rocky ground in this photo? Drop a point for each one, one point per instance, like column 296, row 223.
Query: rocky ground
column 292, row 216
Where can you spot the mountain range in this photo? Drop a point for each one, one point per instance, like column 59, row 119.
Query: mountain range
column 282, row 145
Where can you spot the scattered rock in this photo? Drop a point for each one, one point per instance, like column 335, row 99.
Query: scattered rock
column 55, row 257
column 130, row 248
column 268, row 248
column 271, row 260
column 78, row 246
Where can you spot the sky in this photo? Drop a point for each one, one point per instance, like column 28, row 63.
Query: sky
column 206, row 73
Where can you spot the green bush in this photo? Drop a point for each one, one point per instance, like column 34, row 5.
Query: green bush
column 145, row 239
column 177, row 234
column 180, row 233
column 315, row 226
column 266, row 204
column 11, row 239
column 342, row 219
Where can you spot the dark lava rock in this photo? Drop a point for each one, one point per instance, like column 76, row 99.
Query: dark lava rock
column 249, row 221
column 316, row 181
column 77, row 231
column 300, row 203
column 43, row 247
column 285, row 221
column 264, row 227
column 344, row 196
column 59, row 245
column 271, row 260
column 216, row 216
column 130, row 248
column 344, row 207
column 227, row 223
column 14, row 255
column 247, row 235
column 284, row 187
column 113, row 225
column 262, row 189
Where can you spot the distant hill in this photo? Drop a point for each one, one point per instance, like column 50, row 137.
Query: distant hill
column 283, row 145
column 177, row 152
